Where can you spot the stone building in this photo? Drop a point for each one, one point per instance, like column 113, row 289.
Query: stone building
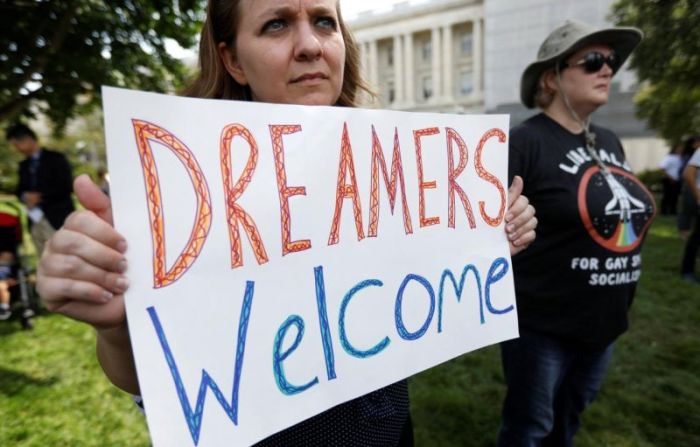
column 466, row 56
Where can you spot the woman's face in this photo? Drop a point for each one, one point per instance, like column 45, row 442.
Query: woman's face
column 288, row 51
column 584, row 89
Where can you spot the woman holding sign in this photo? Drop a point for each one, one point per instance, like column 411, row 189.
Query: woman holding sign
column 575, row 284
column 289, row 51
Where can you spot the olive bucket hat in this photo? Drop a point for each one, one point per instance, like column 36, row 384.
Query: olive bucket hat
column 566, row 40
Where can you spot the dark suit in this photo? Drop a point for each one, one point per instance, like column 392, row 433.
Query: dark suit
column 54, row 180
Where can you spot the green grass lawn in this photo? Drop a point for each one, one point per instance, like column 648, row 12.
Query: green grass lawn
column 52, row 392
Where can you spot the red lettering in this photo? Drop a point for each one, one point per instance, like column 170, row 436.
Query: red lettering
column 234, row 212
column 391, row 185
column 285, row 192
column 146, row 132
column 344, row 191
column 423, row 185
column 484, row 174
column 452, row 175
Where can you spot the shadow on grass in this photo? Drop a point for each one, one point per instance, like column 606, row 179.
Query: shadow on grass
column 14, row 382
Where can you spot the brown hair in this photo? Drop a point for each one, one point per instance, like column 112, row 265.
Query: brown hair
column 543, row 94
column 213, row 81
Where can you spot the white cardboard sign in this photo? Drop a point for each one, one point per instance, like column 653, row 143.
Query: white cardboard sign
column 285, row 259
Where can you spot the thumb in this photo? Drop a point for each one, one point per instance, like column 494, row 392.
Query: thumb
column 515, row 189
column 92, row 198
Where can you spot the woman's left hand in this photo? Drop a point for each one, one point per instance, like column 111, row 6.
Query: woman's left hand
column 520, row 218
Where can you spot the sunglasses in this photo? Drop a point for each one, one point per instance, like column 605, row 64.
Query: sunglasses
column 592, row 62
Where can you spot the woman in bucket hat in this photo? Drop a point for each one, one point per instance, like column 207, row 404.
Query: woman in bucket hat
column 575, row 283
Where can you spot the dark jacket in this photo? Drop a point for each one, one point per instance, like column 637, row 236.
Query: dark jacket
column 54, row 182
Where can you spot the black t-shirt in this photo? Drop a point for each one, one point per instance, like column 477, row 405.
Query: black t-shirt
column 577, row 280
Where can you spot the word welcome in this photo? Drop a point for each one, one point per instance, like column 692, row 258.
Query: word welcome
column 296, row 324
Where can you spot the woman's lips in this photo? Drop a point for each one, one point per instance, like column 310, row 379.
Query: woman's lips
column 309, row 78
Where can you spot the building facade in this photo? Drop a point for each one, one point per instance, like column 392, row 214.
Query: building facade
column 467, row 56
column 426, row 57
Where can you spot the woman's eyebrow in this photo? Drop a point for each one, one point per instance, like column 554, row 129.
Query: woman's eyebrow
column 287, row 11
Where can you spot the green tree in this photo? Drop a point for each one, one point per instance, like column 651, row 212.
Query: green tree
column 55, row 55
column 667, row 62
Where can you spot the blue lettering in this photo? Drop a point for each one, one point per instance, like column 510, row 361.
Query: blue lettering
column 277, row 357
column 403, row 332
column 194, row 419
column 447, row 274
column 493, row 276
column 376, row 349
column 323, row 323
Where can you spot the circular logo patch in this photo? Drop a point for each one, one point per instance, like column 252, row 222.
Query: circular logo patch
column 621, row 206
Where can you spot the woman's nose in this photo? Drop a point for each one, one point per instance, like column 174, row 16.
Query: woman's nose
column 308, row 45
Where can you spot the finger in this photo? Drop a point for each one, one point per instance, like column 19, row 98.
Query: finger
column 519, row 206
column 530, row 225
column 92, row 226
column 101, row 316
column 56, row 292
column 525, row 240
column 516, row 188
column 73, row 267
column 68, row 242
column 521, row 219
column 522, row 243
column 92, row 198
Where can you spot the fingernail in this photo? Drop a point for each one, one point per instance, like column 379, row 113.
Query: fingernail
column 509, row 216
column 122, row 266
column 121, row 285
column 510, row 228
column 121, row 246
column 107, row 296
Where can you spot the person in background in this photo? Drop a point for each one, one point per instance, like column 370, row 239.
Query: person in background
column 691, row 177
column 45, row 184
column 575, row 283
column 276, row 51
column 689, row 205
column 670, row 166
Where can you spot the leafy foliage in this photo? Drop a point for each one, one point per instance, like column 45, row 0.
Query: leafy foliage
column 57, row 54
column 668, row 59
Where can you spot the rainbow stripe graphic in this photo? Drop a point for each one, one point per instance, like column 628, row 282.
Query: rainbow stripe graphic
column 624, row 234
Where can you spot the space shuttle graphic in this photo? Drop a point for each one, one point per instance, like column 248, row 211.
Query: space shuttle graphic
column 623, row 205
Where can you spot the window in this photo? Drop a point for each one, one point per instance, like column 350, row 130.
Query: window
column 392, row 92
column 427, row 87
column 427, row 50
column 390, row 57
column 465, row 44
column 466, row 83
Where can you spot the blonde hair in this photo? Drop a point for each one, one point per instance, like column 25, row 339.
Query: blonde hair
column 214, row 81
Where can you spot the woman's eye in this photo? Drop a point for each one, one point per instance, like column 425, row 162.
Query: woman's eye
column 273, row 25
column 326, row 22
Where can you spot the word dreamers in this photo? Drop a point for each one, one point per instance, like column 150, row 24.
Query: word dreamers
column 346, row 188
column 294, row 327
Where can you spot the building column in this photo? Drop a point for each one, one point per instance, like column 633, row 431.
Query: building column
column 398, row 71
column 437, row 68
column 477, row 57
column 373, row 65
column 410, row 69
column 364, row 69
column 447, row 68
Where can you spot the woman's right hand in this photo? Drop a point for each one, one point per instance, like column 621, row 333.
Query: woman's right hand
column 81, row 273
